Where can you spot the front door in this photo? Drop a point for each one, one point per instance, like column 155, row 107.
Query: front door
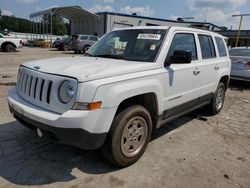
column 181, row 91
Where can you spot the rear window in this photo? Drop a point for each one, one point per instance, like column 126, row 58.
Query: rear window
column 221, row 47
column 207, row 47
column 93, row 38
column 240, row 52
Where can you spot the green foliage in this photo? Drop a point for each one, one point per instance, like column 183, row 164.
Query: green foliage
column 59, row 26
column 22, row 25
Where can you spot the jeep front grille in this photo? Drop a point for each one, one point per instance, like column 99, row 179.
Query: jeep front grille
column 34, row 87
column 41, row 89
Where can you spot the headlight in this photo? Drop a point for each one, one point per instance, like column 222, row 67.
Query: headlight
column 66, row 91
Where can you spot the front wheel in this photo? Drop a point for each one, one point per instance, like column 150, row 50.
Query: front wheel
column 218, row 99
column 129, row 136
column 10, row 48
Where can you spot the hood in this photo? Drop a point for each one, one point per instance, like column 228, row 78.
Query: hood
column 88, row 68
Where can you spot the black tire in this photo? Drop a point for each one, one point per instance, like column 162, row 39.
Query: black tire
column 65, row 47
column 10, row 48
column 214, row 108
column 112, row 148
column 85, row 48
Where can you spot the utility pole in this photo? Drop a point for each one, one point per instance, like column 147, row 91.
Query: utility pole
column 241, row 18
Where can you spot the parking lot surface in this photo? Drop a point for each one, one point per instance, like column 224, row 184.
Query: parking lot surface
column 193, row 151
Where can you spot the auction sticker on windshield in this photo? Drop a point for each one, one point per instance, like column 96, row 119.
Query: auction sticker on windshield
column 148, row 36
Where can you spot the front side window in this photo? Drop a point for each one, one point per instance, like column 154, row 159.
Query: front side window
column 221, row 47
column 207, row 47
column 133, row 45
column 183, row 41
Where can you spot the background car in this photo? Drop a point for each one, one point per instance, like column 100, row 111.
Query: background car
column 240, row 69
column 64, row 44
column 9, row 44
column 81, row 43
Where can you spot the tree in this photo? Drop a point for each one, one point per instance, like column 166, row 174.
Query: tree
column 58, row 25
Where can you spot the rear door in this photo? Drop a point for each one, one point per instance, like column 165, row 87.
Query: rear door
column 208, row 75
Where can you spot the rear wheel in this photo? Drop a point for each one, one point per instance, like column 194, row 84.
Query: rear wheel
column 9, row 48
column 217, row 101
column 85, row 48
column 129, row 136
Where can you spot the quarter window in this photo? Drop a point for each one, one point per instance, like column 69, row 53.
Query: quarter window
column 221, row 47
column 207, row 47
column 93, row 38
column 183, row 41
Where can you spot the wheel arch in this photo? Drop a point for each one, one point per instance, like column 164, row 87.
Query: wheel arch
column 6, row 43
column 225, row 80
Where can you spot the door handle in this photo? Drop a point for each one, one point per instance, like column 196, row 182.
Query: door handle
column 216, row 68
column 196, row 72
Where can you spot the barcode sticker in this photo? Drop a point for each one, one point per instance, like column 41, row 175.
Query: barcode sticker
column 148, row 36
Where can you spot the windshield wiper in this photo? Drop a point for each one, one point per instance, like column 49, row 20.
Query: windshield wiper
column 109, row 56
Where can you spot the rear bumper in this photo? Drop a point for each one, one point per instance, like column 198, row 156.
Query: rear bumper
column 243, row 78
column 71, row 136
column 240, row 74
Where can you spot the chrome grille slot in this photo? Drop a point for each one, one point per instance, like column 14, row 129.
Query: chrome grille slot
column 49, row 91
column 40, row 89
column 30, row 85
column 35, row 86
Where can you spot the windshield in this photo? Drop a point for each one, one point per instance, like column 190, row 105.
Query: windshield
column 133, row 45
column 240, row 52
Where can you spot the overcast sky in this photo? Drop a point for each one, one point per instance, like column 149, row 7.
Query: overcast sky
column 218, row 11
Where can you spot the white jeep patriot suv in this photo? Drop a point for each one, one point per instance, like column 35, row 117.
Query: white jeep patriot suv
column 129, row 83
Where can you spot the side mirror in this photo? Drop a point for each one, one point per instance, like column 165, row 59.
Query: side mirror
column 179, row 57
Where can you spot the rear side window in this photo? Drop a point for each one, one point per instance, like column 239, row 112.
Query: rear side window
column 207, row 47
column 183, row 41
column 93, row 38
column 84, row 38
column 221, row 47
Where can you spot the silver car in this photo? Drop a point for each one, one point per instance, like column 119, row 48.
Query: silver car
column 81, row 43
column 240, row 69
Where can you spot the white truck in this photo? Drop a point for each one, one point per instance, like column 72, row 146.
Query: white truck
column 9, row 44
column 129, row 83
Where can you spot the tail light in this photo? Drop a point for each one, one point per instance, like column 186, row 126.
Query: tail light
column 247, row 64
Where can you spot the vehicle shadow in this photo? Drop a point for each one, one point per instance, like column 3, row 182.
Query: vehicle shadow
column 239, row 85
column 69, row 52
column 27, row 160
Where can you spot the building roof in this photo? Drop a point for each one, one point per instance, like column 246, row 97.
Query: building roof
column 69, row 12
column 159, row 19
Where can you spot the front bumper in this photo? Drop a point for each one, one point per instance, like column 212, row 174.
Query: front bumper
column 75, row 137
column 83, row 129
